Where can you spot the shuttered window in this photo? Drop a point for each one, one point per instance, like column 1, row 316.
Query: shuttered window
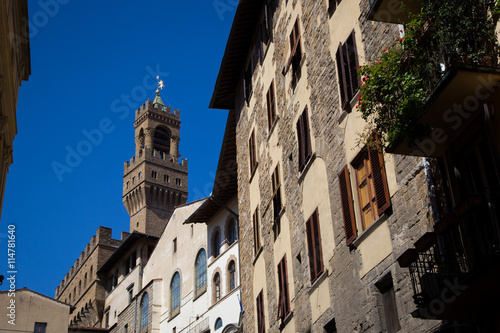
column 296, row 49
column 256, row 231
column 247, row 81
column 271, row 106
column 347, row 68
column 372, row 188
column 304, row 139
column 253, row 153
column 276, row 201
column 347, row 206
column 261, row 324
column 284, row 298
column 314, row 246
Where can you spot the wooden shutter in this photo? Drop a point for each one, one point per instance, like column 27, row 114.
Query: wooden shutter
column 283, row 305
column 314, row 246
column 251, row 148
column 294, row 43
column 271, row 106
column 261, row 325
column 379, row 177
column 304, row 139
column 352, row 58
column 341, row 74
column 347, row 207
column 307, row 136
column 256, row 231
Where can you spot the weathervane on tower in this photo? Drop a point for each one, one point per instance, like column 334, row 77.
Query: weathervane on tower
column 160, row 85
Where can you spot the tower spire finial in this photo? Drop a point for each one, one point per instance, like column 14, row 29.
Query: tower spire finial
column 160, row 85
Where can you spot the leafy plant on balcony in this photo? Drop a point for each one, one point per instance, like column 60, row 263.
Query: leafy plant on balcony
column 394, row 88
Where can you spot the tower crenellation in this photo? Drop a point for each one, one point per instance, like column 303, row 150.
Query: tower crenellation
column 155, row 179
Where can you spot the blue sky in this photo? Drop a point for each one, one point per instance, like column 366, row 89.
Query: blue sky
column 93, row 62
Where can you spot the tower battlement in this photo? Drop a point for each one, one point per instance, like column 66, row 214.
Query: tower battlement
column 158, row 157
column 151, row 106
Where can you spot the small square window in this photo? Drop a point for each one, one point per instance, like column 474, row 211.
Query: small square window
column 175, row 245
column 40, row 327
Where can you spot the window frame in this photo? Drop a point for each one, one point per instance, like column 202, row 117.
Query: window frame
column 277, row 201
column 144, row 323
column 252, row 148
column 256, row 231
column 40, row 327
column 175, row 294
column 200, row 275
column 295, row 49
column 216, row 243
column 217, row 287
column 261, row 318
column 231, row 275
column 271, row 106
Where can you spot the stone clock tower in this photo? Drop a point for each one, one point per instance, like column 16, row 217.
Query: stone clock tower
column 154, row 180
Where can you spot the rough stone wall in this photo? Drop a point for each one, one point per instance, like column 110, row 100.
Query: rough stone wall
column 356, row 303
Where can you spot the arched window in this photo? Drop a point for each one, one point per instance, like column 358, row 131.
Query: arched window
column 218, row 324
column 69, row 298
column 216, row 244
column 85, row 281
column 175, row 294
column 201, row 272
column 231, row 231
column 80, row 287
column 161, row 140
column 91, row 267
column 232, row 275
column 216, row 287
column 144, row 313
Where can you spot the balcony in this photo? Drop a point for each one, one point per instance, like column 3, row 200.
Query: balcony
column 455, row 270
column 393, row 11
column 456, row 99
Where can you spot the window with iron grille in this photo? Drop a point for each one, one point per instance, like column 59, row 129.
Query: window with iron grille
column 284, row 298
column 314, row 246
column 304, row 139
column 347, row 69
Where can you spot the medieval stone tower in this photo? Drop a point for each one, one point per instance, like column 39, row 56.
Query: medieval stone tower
column 154, row 181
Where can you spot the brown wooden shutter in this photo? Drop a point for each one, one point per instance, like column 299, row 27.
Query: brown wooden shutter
column 341, row 74
column 283, row 305
column 310, row 248
column 318, row 255
column 352, row 58
column 260, row 313
column 300, row 141
column 307, row 135
column 379, row 177
column 347, row 207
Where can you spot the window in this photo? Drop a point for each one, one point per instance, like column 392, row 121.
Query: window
column 69, row 297
column 178, row 182
column 266, row 28
column 130, row 291
column 284, row 299
column 175, row 245
column 127, row 184
column 296, row 49
column 139, row 175
column 347, row 68
column 166, row 178
column 314, row 246
column 125, row 328
column 271, row 106
column 132, row 260
column 232, row 275
column 126, row 266
column 330, row 327
column 247, row 81
column 276, row 201
column 253, row 153
column 154, row 174
column 144, row 313
column 40, row 327
column 332, row 6
column 216, row 244
column 133, row 180
column 386, row 288
column 80, row 287
column 218, row 324
column 256, row 231
column 175, row 294
column 304, row 139
column 261, row 325
column 106, row 318
column 231, row 231
column 216, row 287
column 85, row 281
column 114, row 280
column 372, row 189
column 201, row 272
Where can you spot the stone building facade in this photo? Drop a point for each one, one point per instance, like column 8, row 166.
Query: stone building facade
column 81, row 287
column 324, row 215
column 15, row 67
